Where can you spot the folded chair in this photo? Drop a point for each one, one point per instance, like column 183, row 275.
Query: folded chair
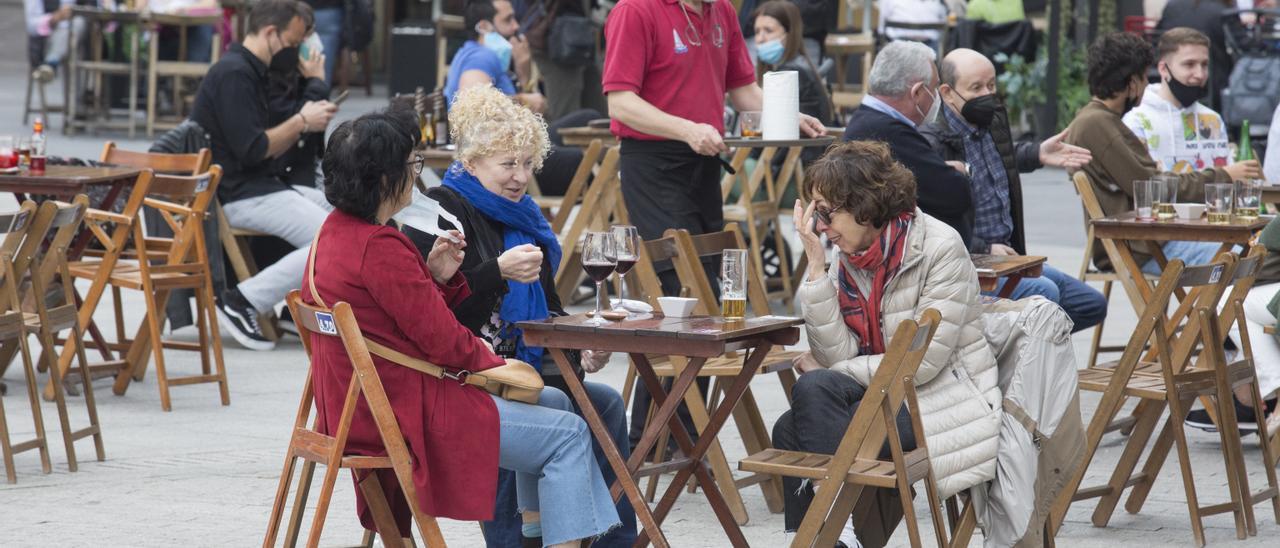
column 53, row 295
column 841, row 478
column 13, row 340
column 314, row 447
column 601, row 205
column 1168, row 381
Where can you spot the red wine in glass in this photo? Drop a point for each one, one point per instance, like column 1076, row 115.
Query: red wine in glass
column 598, row 271
column 624, row 265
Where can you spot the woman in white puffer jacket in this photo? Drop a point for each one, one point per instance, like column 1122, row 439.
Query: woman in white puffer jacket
column 894, row 263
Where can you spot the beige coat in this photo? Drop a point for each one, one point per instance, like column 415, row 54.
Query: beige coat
column 957, row 382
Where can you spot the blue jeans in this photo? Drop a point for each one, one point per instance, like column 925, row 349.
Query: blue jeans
column 1083, row 304
column 549, row 449
column 1191, row 253
column 504, row 530
column 329, row 27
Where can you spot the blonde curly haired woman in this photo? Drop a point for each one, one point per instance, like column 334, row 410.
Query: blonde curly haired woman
column 510, row 267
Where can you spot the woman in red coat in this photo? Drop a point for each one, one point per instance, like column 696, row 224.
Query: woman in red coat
column 457, row 435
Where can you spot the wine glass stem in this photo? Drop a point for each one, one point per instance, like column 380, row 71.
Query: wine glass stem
column 622, row 291
column 600, row 296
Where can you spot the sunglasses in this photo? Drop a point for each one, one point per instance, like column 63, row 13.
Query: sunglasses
column 417, row 164
column 824, row 214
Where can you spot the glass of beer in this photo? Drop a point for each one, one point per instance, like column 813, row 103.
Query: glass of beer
column 1218, row 201
column 749, row 122
column 1248, row 200
column 1167, row 197
column 24, row 152
column 733, row 284
column 1144, row 199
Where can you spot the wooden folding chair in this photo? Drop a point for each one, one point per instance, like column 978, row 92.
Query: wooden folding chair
column 557, row 208
column 176, row 164
column 601, row 204
column 758, row 208
column 315, row 447
column 840, row 478
column 1173, row 384
column 182, row 262
column 55, row 311
column 112, row 231
column 13, row 339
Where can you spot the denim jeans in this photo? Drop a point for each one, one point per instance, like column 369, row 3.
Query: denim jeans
column 822, row 404
column 307, row 209
column 329, row 28
column 504, row 530
column 1191, row 253
column 548, row 448
column 1083, row 304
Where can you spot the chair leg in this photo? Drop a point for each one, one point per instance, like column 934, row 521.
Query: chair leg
column 1268, row 457
column 629, row 384
column 202, row 331
column 1128, row 462
column 155, row 308
column 60, row 400
column 282, row 496
column 1184, row 462
column 381, row 510
column 307, row 474
column 1097, row 329
column 26, row 103
column 6, row 449
column 210, row 312
column 322, row 505
column 90, row 401
column 33, row 389
column 1233, row 459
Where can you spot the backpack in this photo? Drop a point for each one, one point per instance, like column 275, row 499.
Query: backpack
column 1252, row 92
column 572, row 40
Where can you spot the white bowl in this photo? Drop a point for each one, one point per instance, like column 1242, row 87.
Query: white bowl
column 677, row 307
column 1189, row 211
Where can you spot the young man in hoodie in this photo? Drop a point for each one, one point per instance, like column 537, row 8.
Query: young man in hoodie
column 1117, row 76
column 1181, row 134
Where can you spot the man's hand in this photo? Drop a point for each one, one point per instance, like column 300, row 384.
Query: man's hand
column 313, row 66
column 1054, row 152
column 535, row 101
column 802, row 217
column 1244, row 170
column 594, row 360
column 959, row 166
column 1001, row 249
column 704, row 139
column 811, row 127
column 445, row 257
column 520, row 54
column 806, row 363
column 316, row 115
column 521, row 263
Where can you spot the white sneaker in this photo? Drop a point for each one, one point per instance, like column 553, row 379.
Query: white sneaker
column 847, row 537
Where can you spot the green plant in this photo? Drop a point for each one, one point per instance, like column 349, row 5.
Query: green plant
column 1023, row 84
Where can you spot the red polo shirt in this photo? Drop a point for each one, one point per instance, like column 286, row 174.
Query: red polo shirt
column 652, row 52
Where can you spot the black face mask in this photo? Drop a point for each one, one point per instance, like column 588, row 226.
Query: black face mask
column 1129, row 103
column 1186, row 95
column 979, row 111
column 285, row 61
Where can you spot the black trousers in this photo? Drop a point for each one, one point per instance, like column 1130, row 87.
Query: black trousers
column 822, row 404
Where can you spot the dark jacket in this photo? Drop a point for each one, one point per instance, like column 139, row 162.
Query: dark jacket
column 285, row 97
column 941, row 191
column 480, row 266
column 1020, row 157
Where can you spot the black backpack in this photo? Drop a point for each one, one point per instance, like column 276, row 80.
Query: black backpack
column 572, row 40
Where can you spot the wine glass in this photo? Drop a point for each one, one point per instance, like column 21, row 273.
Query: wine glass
column 599, row 257
column 626, row 241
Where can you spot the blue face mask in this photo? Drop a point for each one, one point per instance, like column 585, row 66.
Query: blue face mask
column 500, row 46
column 770, row 53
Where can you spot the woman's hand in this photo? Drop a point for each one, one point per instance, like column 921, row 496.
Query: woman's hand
column 802, row 216
column 521, row 263
column 445, row 257
column 594, row 360
column 806, row 363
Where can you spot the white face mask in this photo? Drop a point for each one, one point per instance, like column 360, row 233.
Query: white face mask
column 933, row 108
column 424, row 214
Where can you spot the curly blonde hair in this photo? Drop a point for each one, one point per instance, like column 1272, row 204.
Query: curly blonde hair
column 483, row 121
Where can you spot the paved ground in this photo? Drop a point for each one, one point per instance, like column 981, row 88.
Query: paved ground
column 204, row 474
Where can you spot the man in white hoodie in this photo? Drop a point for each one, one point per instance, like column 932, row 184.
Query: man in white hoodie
column 1181, row 134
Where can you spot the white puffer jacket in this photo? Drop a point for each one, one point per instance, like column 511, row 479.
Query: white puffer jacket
column 958, row 384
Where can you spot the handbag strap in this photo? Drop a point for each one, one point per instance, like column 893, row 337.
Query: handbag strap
column 394, row 356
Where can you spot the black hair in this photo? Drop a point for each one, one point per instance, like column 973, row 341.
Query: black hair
column 365, row 162
column 1114, row 60
column 475, row 12
column 277, row 13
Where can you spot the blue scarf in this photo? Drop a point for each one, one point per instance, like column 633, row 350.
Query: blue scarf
column 524, row 224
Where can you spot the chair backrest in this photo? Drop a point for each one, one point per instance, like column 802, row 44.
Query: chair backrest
column 191, row 163
column 599, row 203
column 1207, row 283
column 182, row 202
column 573, row 194
column 15, row 225
column 65, row 222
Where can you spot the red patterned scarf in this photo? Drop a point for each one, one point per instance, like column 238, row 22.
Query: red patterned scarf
column 883, row 259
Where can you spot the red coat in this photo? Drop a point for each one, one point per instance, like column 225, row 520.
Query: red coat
column 451, row 430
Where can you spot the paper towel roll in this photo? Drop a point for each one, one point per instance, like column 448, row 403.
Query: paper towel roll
column 781, row 117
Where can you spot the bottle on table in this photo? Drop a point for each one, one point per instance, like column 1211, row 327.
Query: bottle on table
column 39, row 144
column 441, row 116
column 1248, row 197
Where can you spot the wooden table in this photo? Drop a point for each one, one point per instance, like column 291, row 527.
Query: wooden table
column 97, row 65
column 1271, row 196
column 582, row 136
column 438, row 158
column 697, row 338
column 1014, row 267
column 66, row 182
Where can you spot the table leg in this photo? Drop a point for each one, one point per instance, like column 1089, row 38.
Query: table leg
column 626, row 481
column 694, row 400
column 666, row 409
column 694, row 452
column 1010, row 284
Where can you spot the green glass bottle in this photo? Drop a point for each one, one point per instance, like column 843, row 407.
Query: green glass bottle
column 1244, row 152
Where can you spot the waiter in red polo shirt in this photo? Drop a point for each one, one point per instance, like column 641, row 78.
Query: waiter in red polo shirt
column 667, row 67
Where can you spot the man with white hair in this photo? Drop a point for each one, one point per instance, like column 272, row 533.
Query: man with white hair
column 902, row 93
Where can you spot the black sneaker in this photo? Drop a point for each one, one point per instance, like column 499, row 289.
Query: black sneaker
column 285, row 322
column 1245, row 418
column 239, row 318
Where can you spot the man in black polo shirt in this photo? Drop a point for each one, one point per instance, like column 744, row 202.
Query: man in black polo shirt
column 232, row 108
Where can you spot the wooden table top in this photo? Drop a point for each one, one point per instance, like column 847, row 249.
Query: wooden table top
column 438, row 158
column 1126, row 227
column 844, row 43
column 998, row 266
column 706, row 336
column 63, row 180
column 582, row 136
column 757, row 142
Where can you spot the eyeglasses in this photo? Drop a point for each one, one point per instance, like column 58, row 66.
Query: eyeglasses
column 417, row 164
column 824, row 214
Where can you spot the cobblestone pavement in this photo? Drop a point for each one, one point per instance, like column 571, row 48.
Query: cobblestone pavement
column 204, row 474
